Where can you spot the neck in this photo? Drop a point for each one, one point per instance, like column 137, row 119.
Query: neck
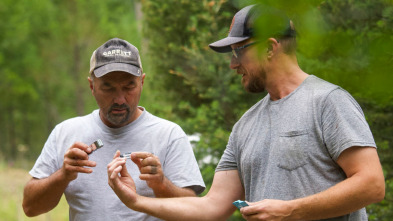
column 283, row 76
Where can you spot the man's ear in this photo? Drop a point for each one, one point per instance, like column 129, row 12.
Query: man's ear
column 91, row 83
column 269, row 47
column 143, row 78
column 272, row 45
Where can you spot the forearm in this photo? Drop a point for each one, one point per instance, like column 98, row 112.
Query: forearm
column 168, row 189
column 365, row 184
column 42, row 195
column 348, row 196
column 216, row 205
column 185, row 208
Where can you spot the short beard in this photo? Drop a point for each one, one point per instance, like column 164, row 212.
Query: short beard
column 254, row 85
column 118, row 119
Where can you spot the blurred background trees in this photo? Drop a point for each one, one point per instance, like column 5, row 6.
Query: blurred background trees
column 45, row 48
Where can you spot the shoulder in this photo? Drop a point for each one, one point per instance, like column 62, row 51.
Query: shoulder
column 319, row 85
column 159, row 123
column 326, row 93
column 78, row 120
column 75, row 122
column 153, row 119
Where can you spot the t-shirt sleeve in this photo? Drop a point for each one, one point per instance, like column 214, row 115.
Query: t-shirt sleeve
column 180, row 166
column 47, row 162
column 344, row 124
column 228, row 159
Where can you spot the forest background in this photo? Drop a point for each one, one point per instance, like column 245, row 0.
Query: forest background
column 45, row 48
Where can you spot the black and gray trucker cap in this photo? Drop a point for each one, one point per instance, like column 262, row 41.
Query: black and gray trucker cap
column 116, row 55
column 269, row 20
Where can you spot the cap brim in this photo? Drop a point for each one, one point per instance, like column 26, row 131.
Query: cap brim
column 103, row 70
column 224, row 45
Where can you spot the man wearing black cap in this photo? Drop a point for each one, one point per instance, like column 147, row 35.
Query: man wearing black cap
column 163, row 161
column 303, row 152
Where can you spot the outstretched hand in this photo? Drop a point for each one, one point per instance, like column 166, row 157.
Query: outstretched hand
column 121, row 181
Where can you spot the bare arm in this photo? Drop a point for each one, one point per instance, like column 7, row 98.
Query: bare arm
column 151, row 171
column 216, row 205
column 42, row 195
column 364, row 185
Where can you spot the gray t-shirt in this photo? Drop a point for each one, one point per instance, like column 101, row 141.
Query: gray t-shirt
column 89, row 196
column 287, row 149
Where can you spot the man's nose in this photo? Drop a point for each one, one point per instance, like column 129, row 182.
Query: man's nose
column 120, row 97
column 234, row 62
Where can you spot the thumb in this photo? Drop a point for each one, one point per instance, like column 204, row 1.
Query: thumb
column 117, row 154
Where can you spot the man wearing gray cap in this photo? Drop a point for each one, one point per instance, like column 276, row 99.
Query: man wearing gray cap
column 303, row 152
column 75, row 157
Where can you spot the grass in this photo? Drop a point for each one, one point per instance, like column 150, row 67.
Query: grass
column 12, row 182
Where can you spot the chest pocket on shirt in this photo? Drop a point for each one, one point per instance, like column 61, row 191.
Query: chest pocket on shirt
column 291, row 149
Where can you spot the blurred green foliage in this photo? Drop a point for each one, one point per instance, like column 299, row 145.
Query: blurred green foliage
column 45, row 48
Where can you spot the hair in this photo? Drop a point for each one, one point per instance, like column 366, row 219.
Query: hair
column 289, row 45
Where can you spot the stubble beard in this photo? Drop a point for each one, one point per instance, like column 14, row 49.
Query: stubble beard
column 118, row 119
column 254, row 83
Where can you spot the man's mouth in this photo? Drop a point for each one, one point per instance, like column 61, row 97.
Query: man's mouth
column 118, row 111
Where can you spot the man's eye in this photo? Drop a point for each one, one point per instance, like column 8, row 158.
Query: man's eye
column 129, row 88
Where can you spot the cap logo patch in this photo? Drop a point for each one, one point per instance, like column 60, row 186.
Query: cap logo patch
column 117, row 52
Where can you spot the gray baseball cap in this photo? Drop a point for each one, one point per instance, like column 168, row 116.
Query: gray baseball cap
column 274, row 22
column 116, row 55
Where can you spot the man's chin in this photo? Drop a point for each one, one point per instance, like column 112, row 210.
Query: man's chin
column 253, row 90
column 118, row 119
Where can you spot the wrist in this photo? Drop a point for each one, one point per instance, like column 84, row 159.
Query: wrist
column 293, row 209
column 138, row 204
column 64, row 177
column 160, row 187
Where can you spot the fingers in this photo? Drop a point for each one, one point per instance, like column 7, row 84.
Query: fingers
column 79, row 151
column 76, row 160
column 76, row 155
column 149, row 167
column 93, row 147
column 267, row 210
column 116, row 166
column 144, row 159
column 122, row 185
column 148, row 163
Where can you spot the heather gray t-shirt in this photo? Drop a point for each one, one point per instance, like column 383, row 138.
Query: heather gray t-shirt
column 287, row 149
column 89, row 196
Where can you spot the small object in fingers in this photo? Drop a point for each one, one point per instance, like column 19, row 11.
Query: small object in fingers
column 98, row 143
column 126, row 155
column 240, row 204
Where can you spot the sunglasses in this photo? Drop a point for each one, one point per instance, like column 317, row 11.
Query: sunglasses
column 237, row 52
